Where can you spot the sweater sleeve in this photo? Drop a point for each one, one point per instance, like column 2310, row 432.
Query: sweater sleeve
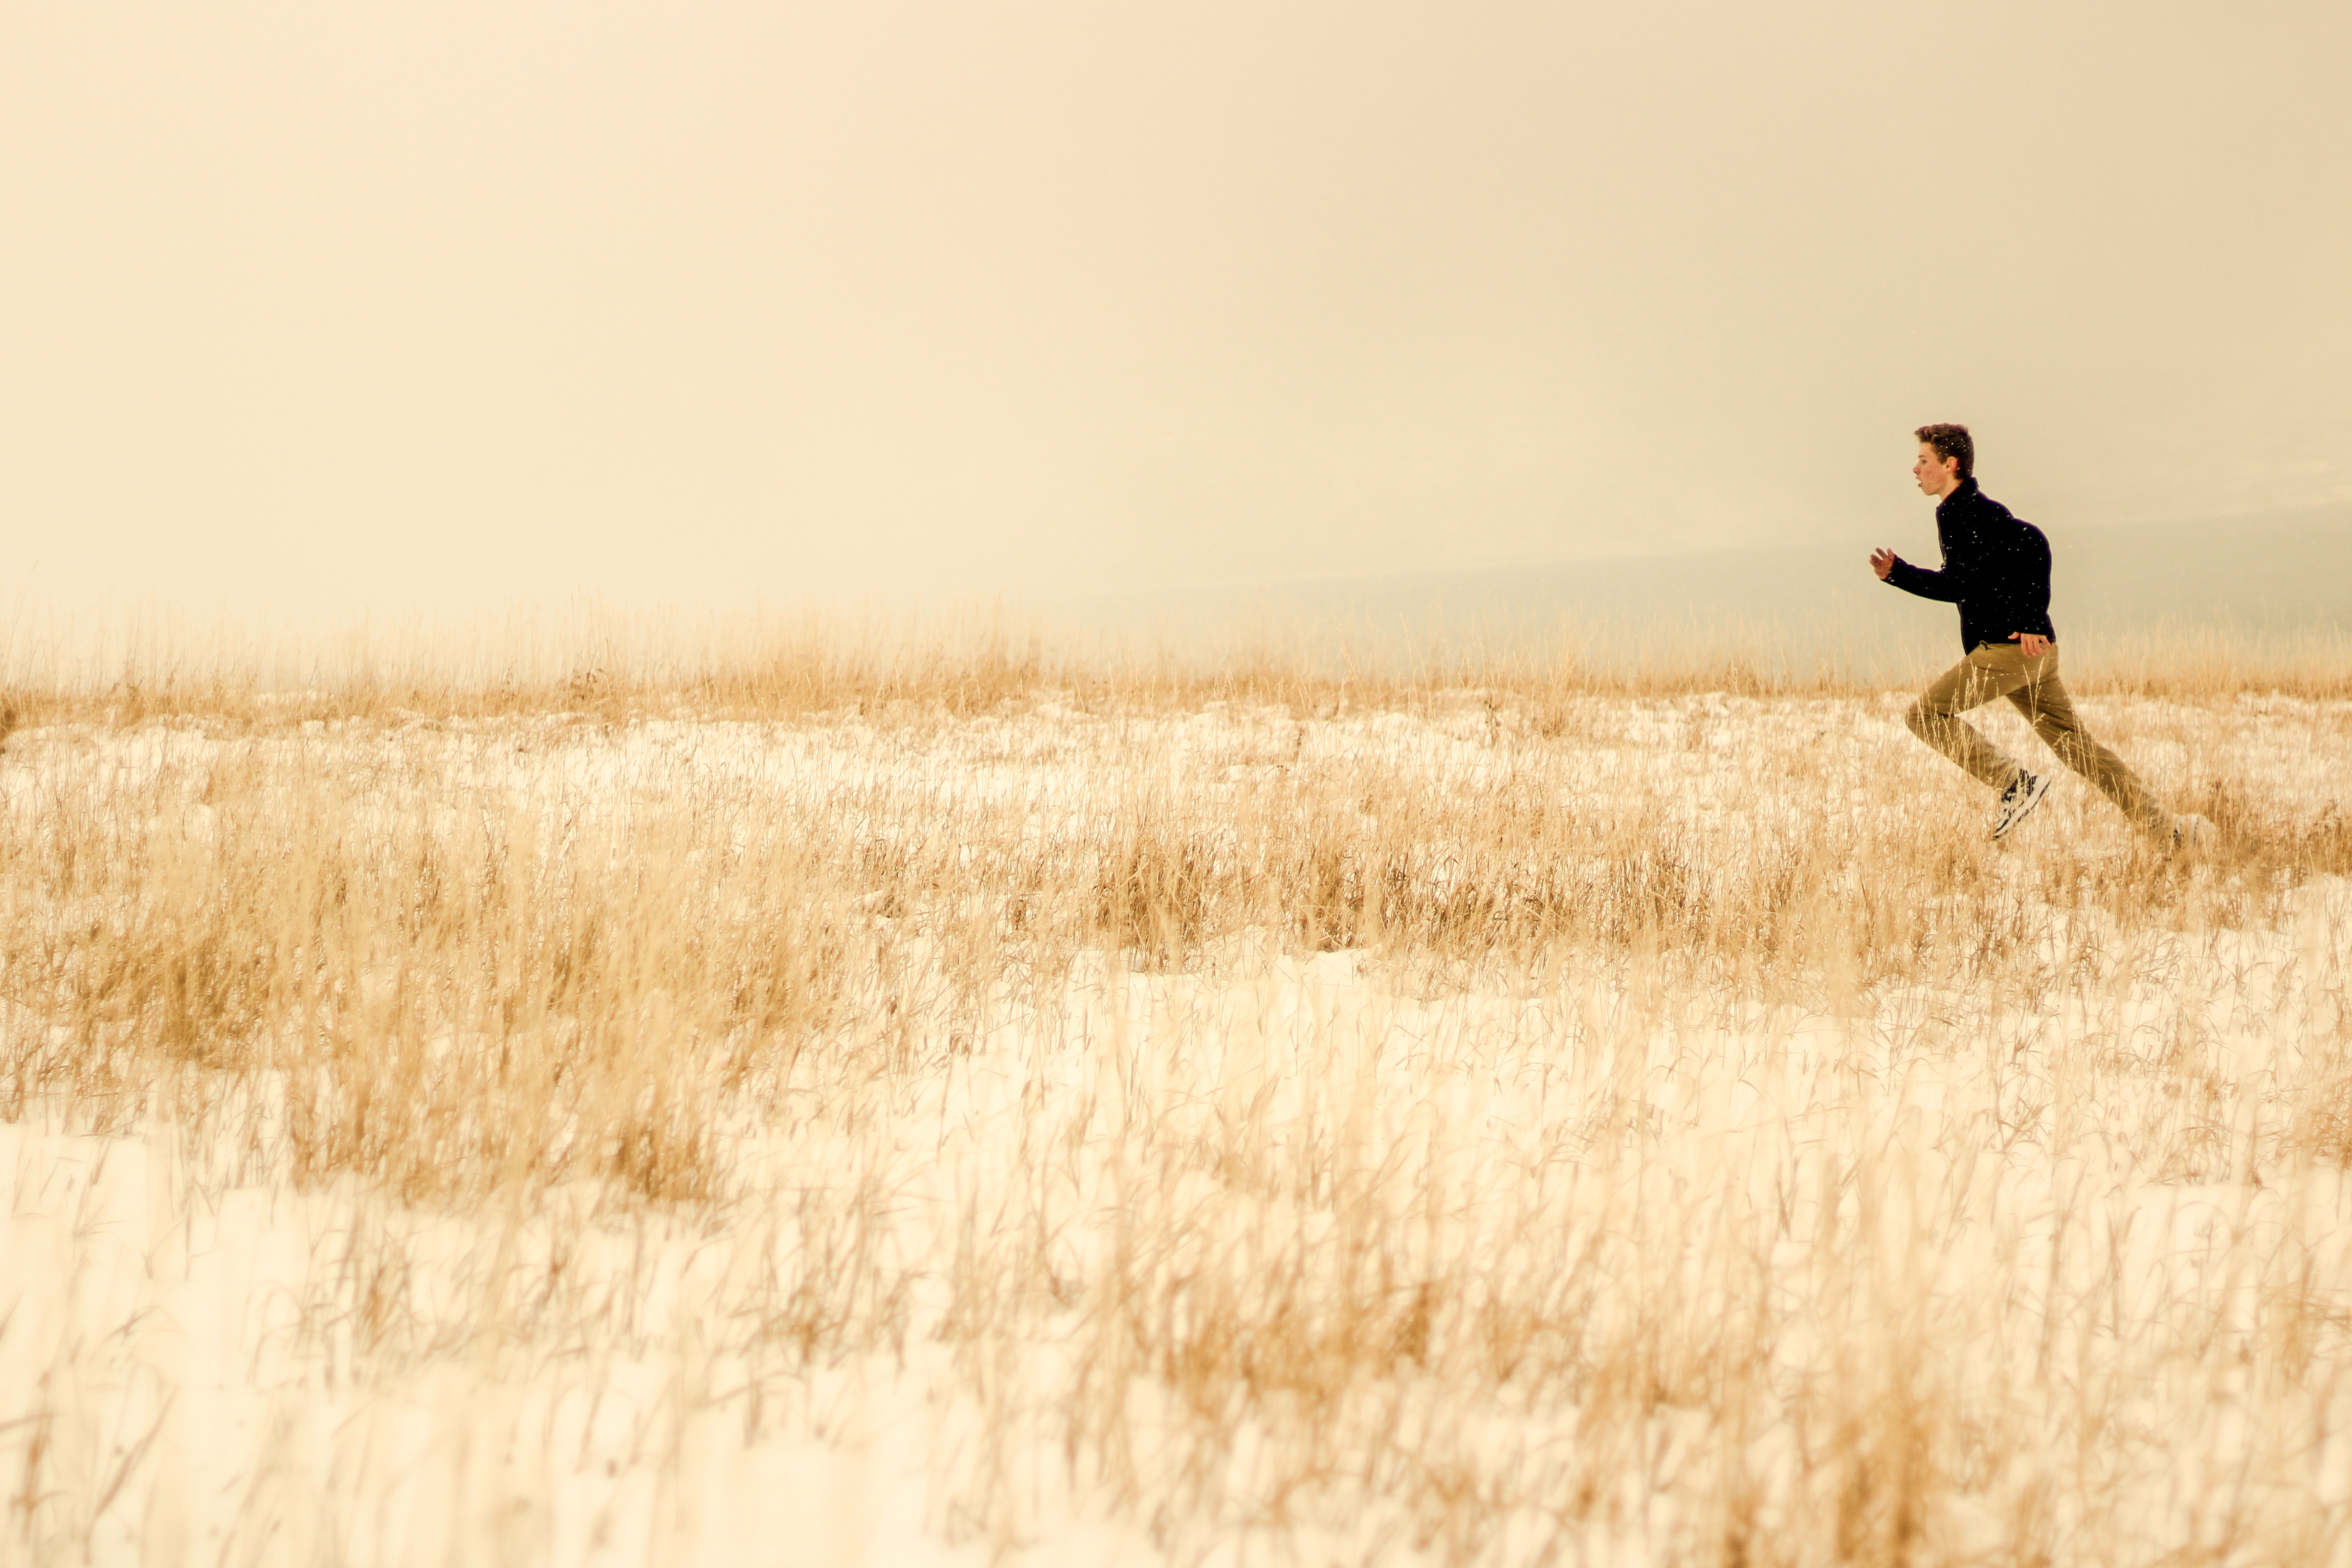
column 2016, row 596
column 1945, row 585
column 2033, row 580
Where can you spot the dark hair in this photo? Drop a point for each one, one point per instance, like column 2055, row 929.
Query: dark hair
column 1951, row 441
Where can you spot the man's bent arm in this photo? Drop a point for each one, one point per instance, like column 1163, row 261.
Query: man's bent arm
column 1944, row 585
column 2022, row 586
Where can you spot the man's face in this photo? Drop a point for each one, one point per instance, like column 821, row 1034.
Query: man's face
column 1937, row 475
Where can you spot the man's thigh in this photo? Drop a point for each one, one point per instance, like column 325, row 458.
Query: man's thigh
column 2041, row 695
column 1984, row 674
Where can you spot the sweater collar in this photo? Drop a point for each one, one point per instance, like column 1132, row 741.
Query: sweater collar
column 1966, row 492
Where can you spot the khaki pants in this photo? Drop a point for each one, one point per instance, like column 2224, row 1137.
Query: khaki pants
column 2002, row 670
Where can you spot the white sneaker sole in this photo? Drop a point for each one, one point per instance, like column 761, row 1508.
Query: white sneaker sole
column 2037, row 786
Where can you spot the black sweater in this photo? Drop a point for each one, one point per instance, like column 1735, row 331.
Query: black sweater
column 1996, row 569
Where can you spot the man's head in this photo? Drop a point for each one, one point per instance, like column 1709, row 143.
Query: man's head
column 1947, row 458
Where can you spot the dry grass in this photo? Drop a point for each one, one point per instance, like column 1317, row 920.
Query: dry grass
column 1503, row 1114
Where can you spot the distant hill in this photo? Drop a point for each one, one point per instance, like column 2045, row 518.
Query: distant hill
column 2278, row 577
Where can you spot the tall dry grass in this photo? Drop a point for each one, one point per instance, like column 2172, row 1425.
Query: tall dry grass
column 1520, row 1113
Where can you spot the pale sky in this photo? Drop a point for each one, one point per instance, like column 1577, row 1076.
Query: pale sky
column 330, row 308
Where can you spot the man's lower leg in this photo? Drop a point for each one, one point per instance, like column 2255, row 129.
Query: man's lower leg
column 2111, row 777
column 2051, row 711
column 1959, row 741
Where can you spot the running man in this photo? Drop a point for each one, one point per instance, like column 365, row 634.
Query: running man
column 1997, row 570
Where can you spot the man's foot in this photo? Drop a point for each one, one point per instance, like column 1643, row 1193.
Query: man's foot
column 2191, row 832
column 2024, row 793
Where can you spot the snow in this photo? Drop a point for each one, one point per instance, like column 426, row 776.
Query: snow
column 1096, row 1287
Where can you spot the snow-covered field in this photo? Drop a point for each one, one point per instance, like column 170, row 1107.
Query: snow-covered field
column 1498, row 1127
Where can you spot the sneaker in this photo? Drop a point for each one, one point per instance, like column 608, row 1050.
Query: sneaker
column 2190, row 832
column 2021, row 796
